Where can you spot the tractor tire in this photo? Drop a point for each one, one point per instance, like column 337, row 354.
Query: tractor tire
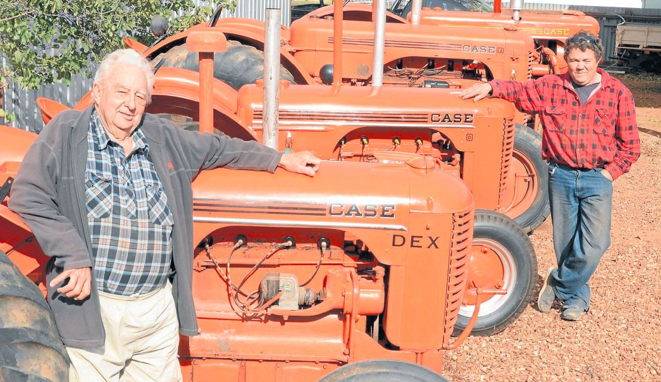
column 383, row 371
column 30, row 347
column 534, row 208
column 239, row 65
column 502, row 258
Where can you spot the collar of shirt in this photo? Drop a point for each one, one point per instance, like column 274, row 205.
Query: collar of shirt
column 102, row 139
column 605, row 80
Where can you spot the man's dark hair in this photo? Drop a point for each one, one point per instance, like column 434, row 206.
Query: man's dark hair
column 584, row 40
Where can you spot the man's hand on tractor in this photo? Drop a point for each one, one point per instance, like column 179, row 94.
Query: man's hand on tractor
column 79, row 285
column 302, row 162
column 477, row 91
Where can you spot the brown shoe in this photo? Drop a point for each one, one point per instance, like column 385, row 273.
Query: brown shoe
column 572, row 313
column 546, row 294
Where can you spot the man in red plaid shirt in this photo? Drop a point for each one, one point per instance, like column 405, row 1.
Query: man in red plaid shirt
column 590, row 139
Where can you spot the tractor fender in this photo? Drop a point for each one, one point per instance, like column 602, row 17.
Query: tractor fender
column 248, row 32
column 177, row 91
column 135, row 45
column 49, row 108
column 355, row 12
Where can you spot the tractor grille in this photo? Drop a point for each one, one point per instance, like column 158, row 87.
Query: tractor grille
column 347, row 118
column 506, row 158
column 460, row 252
column 531, row 59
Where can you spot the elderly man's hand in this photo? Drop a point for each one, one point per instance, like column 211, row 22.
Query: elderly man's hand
column 79, row 286
column 477, row 91
column 302, row 162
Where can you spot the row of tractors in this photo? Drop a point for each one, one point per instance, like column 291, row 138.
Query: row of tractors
column 415, row 229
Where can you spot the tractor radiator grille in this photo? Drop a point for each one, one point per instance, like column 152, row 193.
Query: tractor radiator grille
column 297, row 117
column 506, row 158
column 460, row 252
column 531, row 59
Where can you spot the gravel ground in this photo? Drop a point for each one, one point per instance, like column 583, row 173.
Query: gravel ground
column 619, row 339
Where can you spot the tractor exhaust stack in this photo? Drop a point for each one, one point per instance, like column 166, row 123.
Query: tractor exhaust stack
column 415, row 12
column 517, row 6
column 338, row 18
column 271, row 78
column 379, row 43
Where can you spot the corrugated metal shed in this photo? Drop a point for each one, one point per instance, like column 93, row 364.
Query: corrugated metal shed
column 22, row 103
column 255, row 9
column 610, row 17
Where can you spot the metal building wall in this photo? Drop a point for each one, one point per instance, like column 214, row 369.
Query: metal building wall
column 255, row 9
column 22, row 103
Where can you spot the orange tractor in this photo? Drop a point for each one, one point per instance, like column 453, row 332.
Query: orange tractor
column 549, row 29
column 414, row 56
column 346, row 123
column 295, row 278
column 480, row 33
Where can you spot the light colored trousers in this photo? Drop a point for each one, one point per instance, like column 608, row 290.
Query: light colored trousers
column 142, row 339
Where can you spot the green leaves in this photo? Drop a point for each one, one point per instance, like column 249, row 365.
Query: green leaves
column 51, row 40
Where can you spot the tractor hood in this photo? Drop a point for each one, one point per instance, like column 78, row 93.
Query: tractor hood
column 549, row 24
column 380, row 203
column 344, row 193
column 367, row 106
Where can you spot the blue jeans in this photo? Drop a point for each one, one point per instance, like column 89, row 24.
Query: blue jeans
column 581, row 205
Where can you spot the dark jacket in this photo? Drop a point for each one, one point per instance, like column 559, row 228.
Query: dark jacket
column 49, row 195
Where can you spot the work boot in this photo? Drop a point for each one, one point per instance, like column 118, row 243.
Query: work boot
column 546, row 294
column 573, row 309
column 572, row 313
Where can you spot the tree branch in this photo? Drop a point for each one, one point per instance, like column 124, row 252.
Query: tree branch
column 17, row 16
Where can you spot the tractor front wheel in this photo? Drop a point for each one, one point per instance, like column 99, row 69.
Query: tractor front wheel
column 383, row 370
column 502, row 259
column 30, row 347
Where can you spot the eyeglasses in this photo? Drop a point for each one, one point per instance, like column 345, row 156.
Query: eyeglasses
column 583, row 38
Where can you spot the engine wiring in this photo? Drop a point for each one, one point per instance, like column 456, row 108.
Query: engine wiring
column 322, row 253
column 249, row 303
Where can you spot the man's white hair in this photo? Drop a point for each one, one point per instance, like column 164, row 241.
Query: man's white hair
column 126, row 56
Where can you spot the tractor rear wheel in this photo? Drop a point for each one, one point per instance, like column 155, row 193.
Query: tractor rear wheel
column 526, row 197
column 239, row 65
column 30, row 347
column 502, row 258
column 383, row 370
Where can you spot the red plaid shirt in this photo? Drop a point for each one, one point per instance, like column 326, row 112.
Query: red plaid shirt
column 601, row 133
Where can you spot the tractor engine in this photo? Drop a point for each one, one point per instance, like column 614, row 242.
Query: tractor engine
column 296, row 276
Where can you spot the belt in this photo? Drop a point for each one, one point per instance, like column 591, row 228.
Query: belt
column 570, row 168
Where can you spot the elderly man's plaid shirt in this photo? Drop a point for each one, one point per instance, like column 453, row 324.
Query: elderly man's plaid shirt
column 601, row 133
column 128, row 216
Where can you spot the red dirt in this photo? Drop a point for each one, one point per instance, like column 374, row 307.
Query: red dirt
column 619, row 339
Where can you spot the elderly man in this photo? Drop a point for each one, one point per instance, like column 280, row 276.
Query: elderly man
column 107, row 193
column 590, row 139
